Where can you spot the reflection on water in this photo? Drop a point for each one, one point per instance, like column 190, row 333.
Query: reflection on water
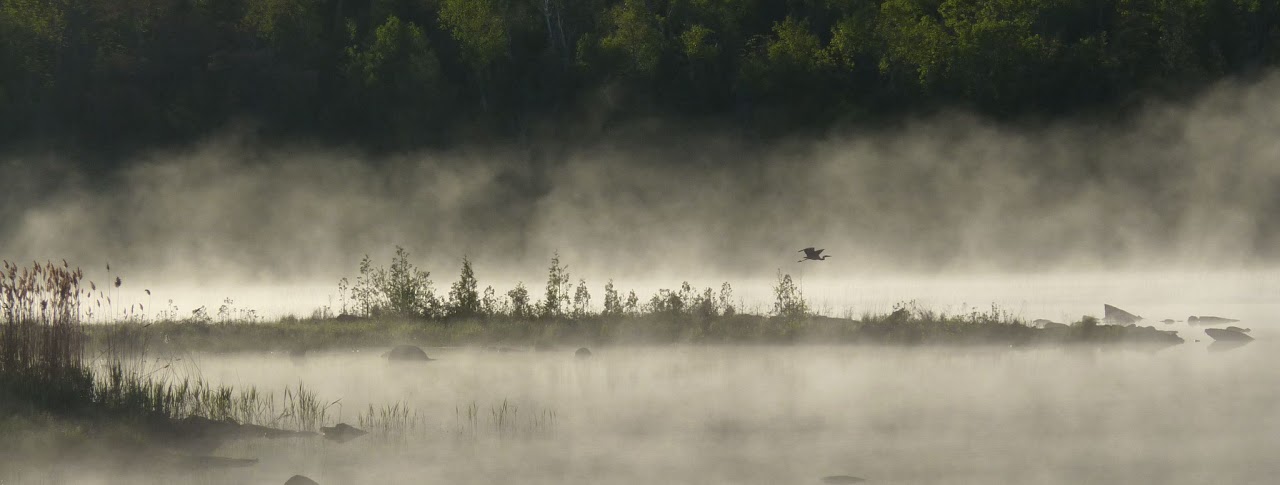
column 1224, row 345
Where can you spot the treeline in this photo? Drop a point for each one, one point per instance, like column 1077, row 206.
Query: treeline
column 401, row 73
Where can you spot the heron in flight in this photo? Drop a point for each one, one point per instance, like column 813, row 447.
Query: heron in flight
column 810, row 253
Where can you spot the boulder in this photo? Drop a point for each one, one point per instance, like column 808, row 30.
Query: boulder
column 1043, row 323
column 1238, row 329
column 1147, row 336
column 1210, row 320
column 1054, row 326
column 203, row 435
column 842, row 479
column 899, row 316
column 300, row 480
column 1167, row 321
column 582, row 353
column 342, row 432
column 1116, row 316
column 1223, row 334
column 406, row 353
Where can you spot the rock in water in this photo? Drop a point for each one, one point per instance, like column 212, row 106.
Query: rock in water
column 1043, row 323
column 1210, row 320
column 1223, row 334
column 839, row 479
column 300, row 480
column 406, row 352
column 582, row 353
column 1167, row 321
column 1238, row 329
column 1115, row 315
column 343, row 432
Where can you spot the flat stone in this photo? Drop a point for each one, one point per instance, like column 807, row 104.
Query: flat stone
column 1223, row 334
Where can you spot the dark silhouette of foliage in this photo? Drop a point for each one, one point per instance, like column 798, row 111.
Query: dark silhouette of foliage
column 521, row 306
column 464, row 301
column 558, row 286
column 119, row 73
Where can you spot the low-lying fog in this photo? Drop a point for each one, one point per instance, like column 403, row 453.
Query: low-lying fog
column 778, row 415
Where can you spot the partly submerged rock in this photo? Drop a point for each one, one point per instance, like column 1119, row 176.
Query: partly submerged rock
column 202, row 435
column 1055, row 326
column 1150, row 335
column 300, row 480
column 582, row 353
column 342, row 432
column 1223, row 334
column 1210, row 320
column 1043, row 323
column 840, row 479
column 1117, row 316
column 1167, row 321
column 406, row 353
column 1238, row 329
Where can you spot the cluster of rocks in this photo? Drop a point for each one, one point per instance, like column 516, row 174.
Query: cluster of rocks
column 1114, row 316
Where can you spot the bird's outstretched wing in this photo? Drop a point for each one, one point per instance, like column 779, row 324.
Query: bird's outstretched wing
column 818, row 252
column 805, row 250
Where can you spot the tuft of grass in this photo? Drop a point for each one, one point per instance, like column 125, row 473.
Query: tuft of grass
column 44, row 367
column 504, row 421
column 393, row 421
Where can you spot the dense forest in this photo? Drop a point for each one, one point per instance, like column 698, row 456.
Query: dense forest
column 406, row 73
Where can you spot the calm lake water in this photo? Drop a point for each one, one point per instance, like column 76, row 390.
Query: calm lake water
column 1188, row 414
column 772, row 415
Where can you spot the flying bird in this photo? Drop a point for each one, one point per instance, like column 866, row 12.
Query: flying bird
column 810, row 253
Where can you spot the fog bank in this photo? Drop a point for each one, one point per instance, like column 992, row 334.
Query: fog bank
column 1190, row 185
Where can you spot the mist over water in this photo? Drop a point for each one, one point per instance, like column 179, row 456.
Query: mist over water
column 781, row 415
column 1180, row 186
column 1171, row 213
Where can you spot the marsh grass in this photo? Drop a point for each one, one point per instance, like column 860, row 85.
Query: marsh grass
column 393, row 421
column 399, row 422
column 68, row 389
column 503, row 420
column 45, row 366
